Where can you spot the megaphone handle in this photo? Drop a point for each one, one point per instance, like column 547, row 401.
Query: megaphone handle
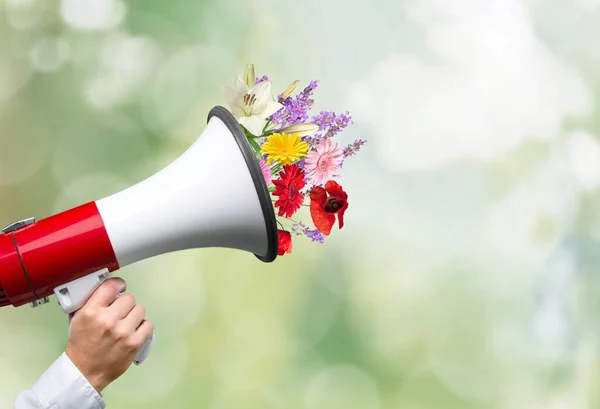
column 144, row 350
column 73, row 295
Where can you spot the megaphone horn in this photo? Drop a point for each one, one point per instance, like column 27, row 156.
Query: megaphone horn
column 213, row 195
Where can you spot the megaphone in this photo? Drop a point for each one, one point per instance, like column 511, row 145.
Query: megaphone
column 213, row 195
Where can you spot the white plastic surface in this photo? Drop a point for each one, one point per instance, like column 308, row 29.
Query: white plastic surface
column 72, row 296
column 205, row 198
column 144, row 350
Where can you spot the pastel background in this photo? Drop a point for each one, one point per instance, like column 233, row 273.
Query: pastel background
column 468, row 273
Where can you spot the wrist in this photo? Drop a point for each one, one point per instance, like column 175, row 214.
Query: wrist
column 97, row 380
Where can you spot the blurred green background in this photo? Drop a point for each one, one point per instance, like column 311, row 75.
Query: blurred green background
column 468, row 272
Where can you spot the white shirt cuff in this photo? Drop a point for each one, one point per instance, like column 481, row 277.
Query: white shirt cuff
column 63, row 386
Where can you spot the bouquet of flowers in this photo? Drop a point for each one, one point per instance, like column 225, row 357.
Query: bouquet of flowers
column 298, row 155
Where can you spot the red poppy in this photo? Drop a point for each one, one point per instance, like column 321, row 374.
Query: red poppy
column 287, row 187
column 325, row 203
column 285, row 242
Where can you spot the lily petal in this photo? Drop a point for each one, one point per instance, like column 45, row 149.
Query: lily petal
column 234, row 100
column 236, row 104
column 240, row 85
column 254, row 124
column 262, row 92
column 270, row 108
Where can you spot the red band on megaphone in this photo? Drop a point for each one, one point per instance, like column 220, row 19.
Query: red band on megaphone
column 54, row 251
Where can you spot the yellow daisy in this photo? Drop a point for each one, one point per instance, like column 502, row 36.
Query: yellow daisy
column 284, row 148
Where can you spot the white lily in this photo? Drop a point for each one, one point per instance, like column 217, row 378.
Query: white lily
column 251, row 106
column 303, row 129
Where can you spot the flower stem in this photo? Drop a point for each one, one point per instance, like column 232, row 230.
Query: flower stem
column 277, row 168
column 266, row 126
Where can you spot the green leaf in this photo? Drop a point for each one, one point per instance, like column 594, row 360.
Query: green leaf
column 266, row 126
column 255, row 146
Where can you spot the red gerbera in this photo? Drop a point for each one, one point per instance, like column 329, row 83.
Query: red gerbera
column 285, row 242
column 287, row 187
column 323, row 208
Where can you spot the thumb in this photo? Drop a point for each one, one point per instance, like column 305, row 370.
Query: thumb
column 71, row 315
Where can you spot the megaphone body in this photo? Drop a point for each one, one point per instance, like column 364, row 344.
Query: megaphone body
column 214, row 195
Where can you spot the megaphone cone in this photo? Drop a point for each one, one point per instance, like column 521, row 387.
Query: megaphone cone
column 213, row 195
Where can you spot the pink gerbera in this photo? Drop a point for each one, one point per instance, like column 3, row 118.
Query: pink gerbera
column 266, row 171
column 324, row 163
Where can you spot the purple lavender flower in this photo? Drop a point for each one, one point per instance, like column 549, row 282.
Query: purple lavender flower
column 295, row 109
column 301, row 230
column 261, row 79
column 298, row 228
column 312, row 140
column 315, row 235
column 330, row 123
column 353, row 148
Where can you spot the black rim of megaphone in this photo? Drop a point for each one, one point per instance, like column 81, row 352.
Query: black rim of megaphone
column 257, row 177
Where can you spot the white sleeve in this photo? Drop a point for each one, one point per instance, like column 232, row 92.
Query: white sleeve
column 62, row 386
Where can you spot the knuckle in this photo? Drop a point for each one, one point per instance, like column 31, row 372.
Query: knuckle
column 130, row 298
column 88, row 313
column 106, row 323
column 120, row 334
column 132, row 344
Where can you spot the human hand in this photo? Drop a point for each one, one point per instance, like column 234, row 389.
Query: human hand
column 106, row 334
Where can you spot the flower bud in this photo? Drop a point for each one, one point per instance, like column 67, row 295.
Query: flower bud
column 302, row 129
column 290, row 88
column 249, row 76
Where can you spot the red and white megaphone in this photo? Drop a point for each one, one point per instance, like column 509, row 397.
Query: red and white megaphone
column 195, row 202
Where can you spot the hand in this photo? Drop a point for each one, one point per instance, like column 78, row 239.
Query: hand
column 106, row 334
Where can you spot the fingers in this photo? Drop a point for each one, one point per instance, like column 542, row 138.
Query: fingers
column 107, row 292
column 142, row 334
column 135, row 328
column 134, row 318
column 122, row 306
